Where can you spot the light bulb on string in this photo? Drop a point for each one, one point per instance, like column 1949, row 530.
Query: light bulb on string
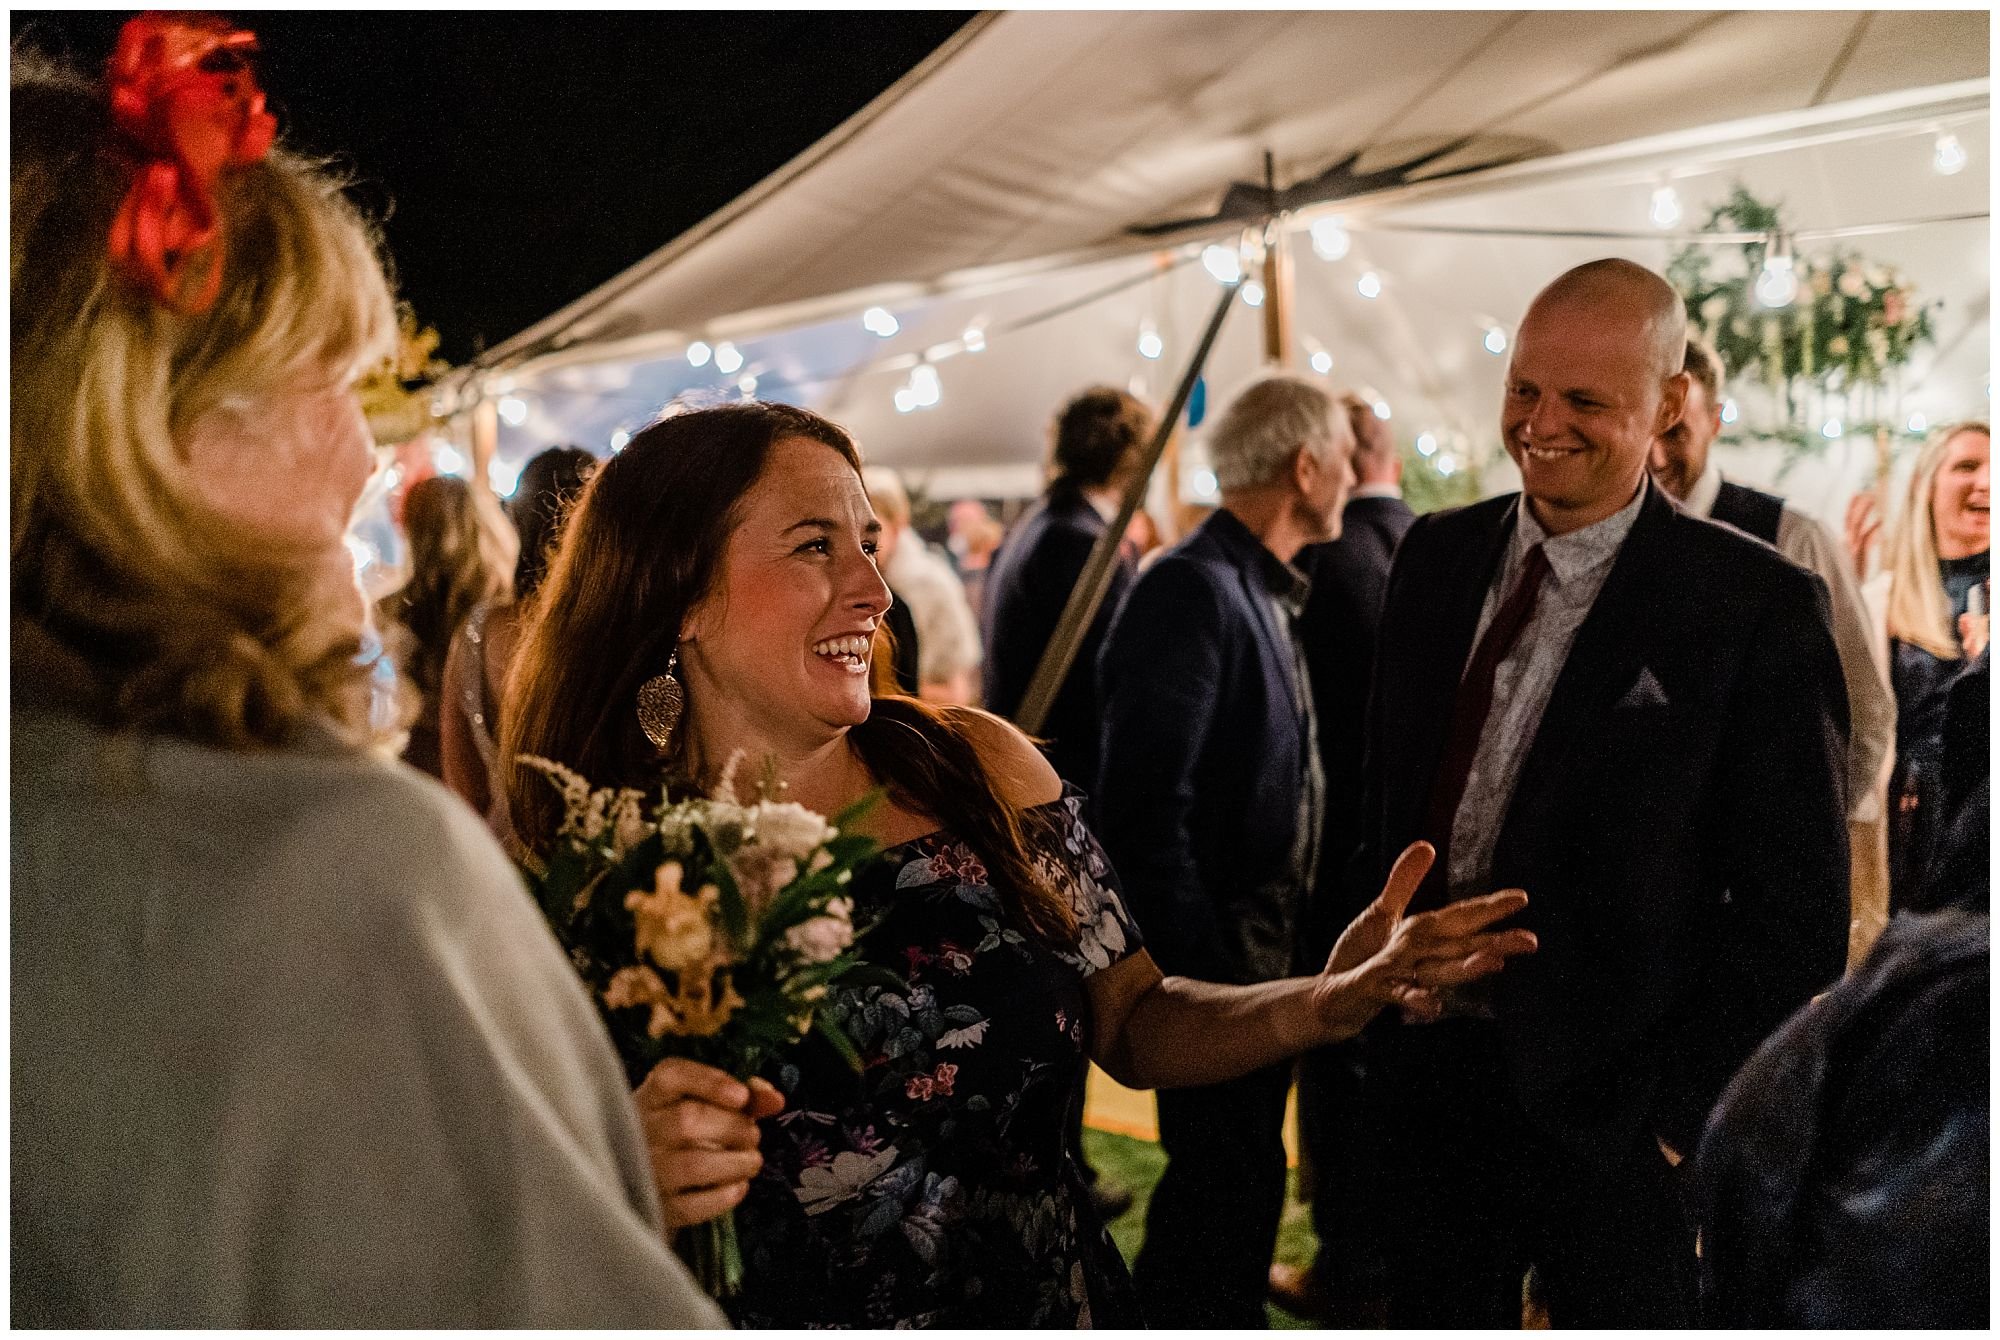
column 974, row 339
column 1666, row 209
column 699, row 353
column 1223, row 263
column 924, row 385
column 1322, row 362
column 1150, row 343
column 906, row 400
column 1330, row 239
column 1427, row 444
column 1446, row 463
column 504, row 476
column 1918, row 422
column 880, row 321
column 1831, row 429
column 728, row 358
column 1777, row 283
column 1729, row 410
column 1950, row 157
column 513, row 411
column 1253, row 294
column 1382, row 409
column 1369, row 285
column 747, row 384
column 448, row 460
column 1496, row 340
column 618, row 440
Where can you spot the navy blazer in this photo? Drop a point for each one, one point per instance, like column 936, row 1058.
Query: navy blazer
column 1679, row 822
column 1202, row 755
column 1027, row 585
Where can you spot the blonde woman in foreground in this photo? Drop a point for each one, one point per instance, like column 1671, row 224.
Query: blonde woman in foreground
column 290, row 1046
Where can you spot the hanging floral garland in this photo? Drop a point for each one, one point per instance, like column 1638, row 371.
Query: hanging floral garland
column 1851, row 323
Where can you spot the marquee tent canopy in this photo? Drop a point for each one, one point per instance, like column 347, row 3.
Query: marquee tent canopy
column 1030, row 204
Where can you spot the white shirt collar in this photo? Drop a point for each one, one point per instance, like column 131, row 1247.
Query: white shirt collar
column 1581, row 551
column 1701, row 498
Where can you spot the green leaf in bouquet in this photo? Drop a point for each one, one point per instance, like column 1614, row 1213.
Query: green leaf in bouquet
column 858, row 811
column 837, row 1038
column 735, row 912
column 862, row 975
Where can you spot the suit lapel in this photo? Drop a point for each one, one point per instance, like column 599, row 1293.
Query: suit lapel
column 1439, row 662
column 1609, row 651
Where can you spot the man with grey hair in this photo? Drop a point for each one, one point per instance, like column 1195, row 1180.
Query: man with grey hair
column 1209, row 801
column 1638, row 717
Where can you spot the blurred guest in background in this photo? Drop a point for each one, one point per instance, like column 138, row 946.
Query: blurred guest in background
column 255, row 1082
column 1096, row 442
column 1682, row 464
column 461, row 554
column 974, row 538
column 1960, row 870
column 1843, row 1180
column 475, row 670
column 947, row 634
column 899, row 673
column 1937, row 554
column 1337, row 630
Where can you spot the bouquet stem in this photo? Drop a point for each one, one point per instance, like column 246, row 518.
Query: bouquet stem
column 715, row 1257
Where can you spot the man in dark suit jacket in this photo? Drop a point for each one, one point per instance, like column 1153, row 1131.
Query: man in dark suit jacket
column 1098, row 439
column 1349, row 576
column 1638, row 717
column 1209, row 798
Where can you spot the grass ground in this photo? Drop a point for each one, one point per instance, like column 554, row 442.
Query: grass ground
column 1136, row 1164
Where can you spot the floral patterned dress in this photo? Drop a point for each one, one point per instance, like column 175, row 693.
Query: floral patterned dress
column 936, row 1187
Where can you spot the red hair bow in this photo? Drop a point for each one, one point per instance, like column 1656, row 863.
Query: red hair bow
column 182, row 92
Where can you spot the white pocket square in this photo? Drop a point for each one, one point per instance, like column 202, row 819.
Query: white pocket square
column 1645, row 692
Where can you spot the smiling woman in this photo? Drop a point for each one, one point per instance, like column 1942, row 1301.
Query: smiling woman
column 731, row 551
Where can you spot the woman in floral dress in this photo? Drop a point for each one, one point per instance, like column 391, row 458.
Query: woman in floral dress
column 724, row 561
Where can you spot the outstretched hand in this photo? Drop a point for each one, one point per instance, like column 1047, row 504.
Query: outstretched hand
column 1386, row 957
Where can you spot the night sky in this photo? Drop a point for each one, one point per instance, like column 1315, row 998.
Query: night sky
column 520, row 159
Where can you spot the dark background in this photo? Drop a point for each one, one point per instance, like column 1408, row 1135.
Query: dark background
column 518, row 160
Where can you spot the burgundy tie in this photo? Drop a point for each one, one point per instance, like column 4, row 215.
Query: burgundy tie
column 1469, row 712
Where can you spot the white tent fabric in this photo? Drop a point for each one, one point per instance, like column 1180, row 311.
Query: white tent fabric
column 1000, row 182
column 1038, row 135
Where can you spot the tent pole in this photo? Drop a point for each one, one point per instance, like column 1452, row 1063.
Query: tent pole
column 1277, row 277
column 1088, row 593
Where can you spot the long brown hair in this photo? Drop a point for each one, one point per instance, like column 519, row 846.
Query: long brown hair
column 453, row 568
column 640, row 550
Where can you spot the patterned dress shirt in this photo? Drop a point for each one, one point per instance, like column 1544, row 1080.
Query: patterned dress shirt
column 1578, row 564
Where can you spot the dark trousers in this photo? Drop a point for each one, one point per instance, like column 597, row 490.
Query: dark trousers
column 1213, row 1221
column 1330, row 1096
column 1473, row 1194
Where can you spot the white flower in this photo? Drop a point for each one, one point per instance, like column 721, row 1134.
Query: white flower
column 789, row 829
column 628, row 821
column 822, row 939
column 822, row 1188
column 1852, row 285
column 761, row 875
column 1878, row 345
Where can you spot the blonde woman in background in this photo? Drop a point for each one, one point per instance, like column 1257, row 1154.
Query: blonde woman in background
column 1936, row 556
column 947, row 633
column 290, row 1046
column 462, row 550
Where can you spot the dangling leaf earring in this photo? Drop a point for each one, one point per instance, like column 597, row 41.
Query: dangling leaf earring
column 660, row 704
